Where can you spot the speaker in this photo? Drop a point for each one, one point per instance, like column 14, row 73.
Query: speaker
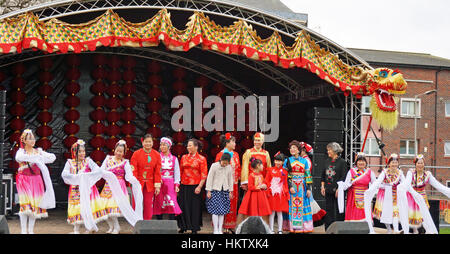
column 325, row 124
column 325, row 136
column 434, row 212
column 155, row 227
column 325, row 113
column 348, row 227
column 4, row 229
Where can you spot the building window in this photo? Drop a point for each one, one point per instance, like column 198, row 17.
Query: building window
column 447, row 109
column 447, row 148
column 371, row 148
column 365, row 105
column 408, row 109
column 407, row 148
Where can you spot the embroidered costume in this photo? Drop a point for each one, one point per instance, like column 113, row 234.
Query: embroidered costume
column 300, row 214
column 71, row 169
column 260, row 154
column 356, row 182
column 230, row 218
column 166, row 201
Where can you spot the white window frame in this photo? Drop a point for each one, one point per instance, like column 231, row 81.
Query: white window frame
column 368, row 144
column 408, row 141
column 447, row 114
column 447, row 183
column 362, row 106
column 417, row 108
column 446, row 154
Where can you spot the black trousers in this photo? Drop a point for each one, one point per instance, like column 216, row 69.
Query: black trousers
column 191, row 207
column 331, row 207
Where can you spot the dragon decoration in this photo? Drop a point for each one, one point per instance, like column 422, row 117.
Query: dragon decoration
column 110, row 30
column 383, row 84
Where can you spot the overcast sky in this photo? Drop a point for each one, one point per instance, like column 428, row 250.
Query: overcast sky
column 412, row 26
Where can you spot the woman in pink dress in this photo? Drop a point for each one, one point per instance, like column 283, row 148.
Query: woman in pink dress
column 121, row 168
column 31, row 178
column 357, row 182
column 166, row 201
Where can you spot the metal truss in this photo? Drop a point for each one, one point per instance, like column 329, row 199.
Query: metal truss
column 353, row 112
column 267, row 70
column 233, row 10
column 149, row 53
column 316, row 91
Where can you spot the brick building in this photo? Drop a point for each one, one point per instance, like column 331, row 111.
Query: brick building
column 423, row 72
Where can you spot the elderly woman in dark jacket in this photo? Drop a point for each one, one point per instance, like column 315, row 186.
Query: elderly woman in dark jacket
column 335, row 170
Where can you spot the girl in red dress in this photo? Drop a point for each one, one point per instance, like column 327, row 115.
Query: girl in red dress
column 278, row 191
column 255, row 202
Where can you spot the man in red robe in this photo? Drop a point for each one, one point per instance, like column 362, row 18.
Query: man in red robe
column 146, row 165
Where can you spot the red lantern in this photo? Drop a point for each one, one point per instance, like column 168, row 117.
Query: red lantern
column 154, row 119
column 246, row 143
column 100, row 59
column 131, row 142
column 97, row 128
column 17, row 110
column 97, row 142
column 111, row 142
column 98, row 87
column 114, row 76
column 156, row 144
column 113, row 116
column 215, row 139
column 113, row 130
column 128, row 115
column 45, row 103
column 202, row 81
column 179, row 137
column 44, row 143
column 98, row 101
column 72, row 87
column 45, row 90
column 179, row 73
column 205, row 144
column 154, row 80
column 15, row 137
column 155, row 131
column 129, row 88
column 45, row 77
column 129, row 75
column 98, row 115
column 113, row 89
column 179, row 85
column 179, row 149
column 154, row 106
column 44, row 131
column 72, row 101
column 219, row 89
column 98, row 155
column 71, row 115
column 99, row 73
column 128, row 102
column 214, row 151
column 69, row 141
column 17, row 96
column 129, row 62
column 73, row 74
column 114, row 62
column 113, row 103
column 18, row 82
column 201, row 134
column 129, row 128
column 44, row 117
column 18, row 69
column 71, row 128
column 154, row 92
column 17, row 124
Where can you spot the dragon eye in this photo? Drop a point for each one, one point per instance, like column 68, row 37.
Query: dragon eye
column 383, row 74
column 394, row 73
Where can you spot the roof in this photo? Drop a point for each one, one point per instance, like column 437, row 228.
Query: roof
column 275, row 7
column 385, row 57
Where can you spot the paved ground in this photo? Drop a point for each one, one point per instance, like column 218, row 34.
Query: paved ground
column 56, row 224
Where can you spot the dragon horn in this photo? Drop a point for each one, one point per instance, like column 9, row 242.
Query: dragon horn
column 362, row 76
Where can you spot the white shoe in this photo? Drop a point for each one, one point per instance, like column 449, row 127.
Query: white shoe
column 280, row 232
column 109, row 231
column 116, row 231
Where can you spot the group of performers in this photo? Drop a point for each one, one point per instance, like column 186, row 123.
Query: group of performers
column 161, row 185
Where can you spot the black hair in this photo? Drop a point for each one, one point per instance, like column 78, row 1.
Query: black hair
column 224, row 141
column 196, row 142
column 361, row 158
column 279, row 157
column 225, row 157
column 255, row 162
column 146, row 136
